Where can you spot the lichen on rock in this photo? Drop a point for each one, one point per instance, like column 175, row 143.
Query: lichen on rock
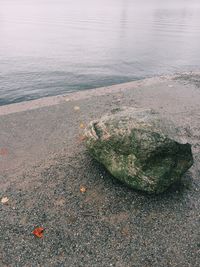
column 139, row 148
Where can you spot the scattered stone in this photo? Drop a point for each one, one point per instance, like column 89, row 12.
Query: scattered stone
column 76, row 108
column 66, row 99
column 139, row 148
column 4, row 200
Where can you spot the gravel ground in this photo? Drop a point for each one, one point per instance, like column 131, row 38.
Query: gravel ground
column 44, row 163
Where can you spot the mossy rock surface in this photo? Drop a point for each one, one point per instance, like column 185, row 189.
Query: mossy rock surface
column 139, row 148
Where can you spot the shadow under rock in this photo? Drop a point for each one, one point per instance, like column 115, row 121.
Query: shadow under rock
column 175, row 193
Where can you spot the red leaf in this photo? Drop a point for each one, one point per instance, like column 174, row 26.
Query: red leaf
column 38, row 232
column 3, row 151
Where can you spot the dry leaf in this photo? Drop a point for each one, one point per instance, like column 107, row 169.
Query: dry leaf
column 4, row 200
column 38, row 232
column 82, row 126
column 81, row 138
column 76, row 108
column 83, row 189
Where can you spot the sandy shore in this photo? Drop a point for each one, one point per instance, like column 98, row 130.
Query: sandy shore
column 43, row 163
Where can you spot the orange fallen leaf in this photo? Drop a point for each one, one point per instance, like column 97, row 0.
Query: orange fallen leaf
column 83, row 189
column 38, row 232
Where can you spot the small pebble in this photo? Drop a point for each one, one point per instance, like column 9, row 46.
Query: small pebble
column 4, row 200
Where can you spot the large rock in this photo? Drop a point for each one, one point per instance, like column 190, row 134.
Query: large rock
column 139, row 148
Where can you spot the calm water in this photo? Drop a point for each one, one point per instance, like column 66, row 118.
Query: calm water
column 50, row 47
